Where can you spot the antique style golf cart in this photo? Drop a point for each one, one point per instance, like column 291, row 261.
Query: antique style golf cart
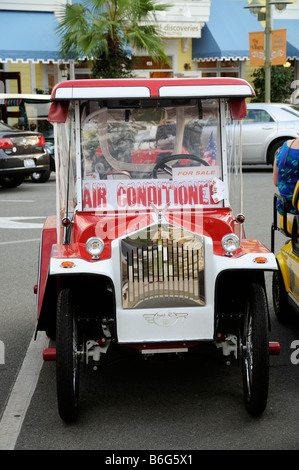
column 147, row 249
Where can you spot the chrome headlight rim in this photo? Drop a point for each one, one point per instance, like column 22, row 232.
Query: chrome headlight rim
column 230, row 243
column 95, row 246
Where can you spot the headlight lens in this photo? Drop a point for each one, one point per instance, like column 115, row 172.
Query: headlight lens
column 95, row 246
column 230, row 242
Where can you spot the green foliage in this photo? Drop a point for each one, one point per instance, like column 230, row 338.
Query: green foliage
column 281, row 79
column 115, row 65
column 103, row 31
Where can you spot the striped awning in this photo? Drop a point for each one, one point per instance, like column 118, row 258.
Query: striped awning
column 28, row 36
column 292, row 36
column 226, row 35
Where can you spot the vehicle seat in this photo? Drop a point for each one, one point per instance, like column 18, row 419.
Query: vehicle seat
column 290, row 217
column 286, row 223
column 295, row 200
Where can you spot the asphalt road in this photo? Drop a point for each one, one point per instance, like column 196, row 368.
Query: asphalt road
column 195, row 403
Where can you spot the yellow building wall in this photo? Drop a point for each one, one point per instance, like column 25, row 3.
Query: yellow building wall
column 249, row 69
column 38, row 76
column 184, row 57
column 25, row 71
column 25, row 77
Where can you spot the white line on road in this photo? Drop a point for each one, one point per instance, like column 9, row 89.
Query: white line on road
column 17, row 200
column 17, row 222
column 20, row 241
column 22, row 392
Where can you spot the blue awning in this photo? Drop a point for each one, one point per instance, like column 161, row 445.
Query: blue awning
column 292, row 27
column 226, row 36
column 28, row 36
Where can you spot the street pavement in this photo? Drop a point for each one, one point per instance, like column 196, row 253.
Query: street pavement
column 195, row 403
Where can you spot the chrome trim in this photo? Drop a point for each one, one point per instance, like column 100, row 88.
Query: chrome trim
column 168, row 272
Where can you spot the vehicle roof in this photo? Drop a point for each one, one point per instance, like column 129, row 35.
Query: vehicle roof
column 280, row 111
column 262, row 105
column 152, row 88
column 24, row 96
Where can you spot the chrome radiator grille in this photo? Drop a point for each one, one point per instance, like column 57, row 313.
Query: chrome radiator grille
column 158, row 272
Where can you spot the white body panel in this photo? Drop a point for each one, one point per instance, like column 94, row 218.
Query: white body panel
column 165, row 324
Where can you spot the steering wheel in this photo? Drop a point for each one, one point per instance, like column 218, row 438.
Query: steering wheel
column 162, row 159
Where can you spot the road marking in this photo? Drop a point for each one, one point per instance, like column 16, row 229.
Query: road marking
column 17, row 200
column 14, row 223
column 20, row 241
column 22, row 392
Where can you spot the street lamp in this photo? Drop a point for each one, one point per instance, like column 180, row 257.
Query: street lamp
column 255, row 8
column 280, row 4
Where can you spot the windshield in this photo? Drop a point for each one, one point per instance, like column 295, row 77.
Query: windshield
column 6, row 127
column 292, row 110
column 157, row 153
column 36, row 118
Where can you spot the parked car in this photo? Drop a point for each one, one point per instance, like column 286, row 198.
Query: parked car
column 265, row 128
column 43, row 176
column 21, row 154
column 32, row 113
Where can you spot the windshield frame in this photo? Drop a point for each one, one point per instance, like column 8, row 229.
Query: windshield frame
column 222, row 157
column 69, row 182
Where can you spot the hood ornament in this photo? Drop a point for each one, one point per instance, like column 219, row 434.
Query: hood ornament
column 160, row 213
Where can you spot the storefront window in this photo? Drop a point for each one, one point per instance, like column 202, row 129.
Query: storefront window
column 219, row 68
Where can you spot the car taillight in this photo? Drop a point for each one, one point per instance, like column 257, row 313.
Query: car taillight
column 40, row 141
column 5, row 143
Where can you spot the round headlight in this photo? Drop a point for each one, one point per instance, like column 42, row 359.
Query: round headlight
column 95, row 246
column 230, row 242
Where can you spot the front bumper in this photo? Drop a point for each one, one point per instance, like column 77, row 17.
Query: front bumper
column 163, row 319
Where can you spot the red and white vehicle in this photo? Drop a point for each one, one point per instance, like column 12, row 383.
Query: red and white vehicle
column 147, row 249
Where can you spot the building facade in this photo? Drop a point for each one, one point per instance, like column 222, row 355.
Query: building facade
column 33, row 51
column 202, row 38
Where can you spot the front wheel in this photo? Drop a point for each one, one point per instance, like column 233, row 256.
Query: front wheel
column 67, row 356
column 40, row 176
column 11, row 182
column 274, row 150
column 255, row 351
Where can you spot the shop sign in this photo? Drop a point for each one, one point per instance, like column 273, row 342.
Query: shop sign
column 257, row 49
column 278, row 47
column 182, row 29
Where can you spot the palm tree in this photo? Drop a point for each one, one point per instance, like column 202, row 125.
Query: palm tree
column 104, row 30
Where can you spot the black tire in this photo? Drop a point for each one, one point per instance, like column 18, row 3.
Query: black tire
column 67, row 361
column 280, row 300
column 273, row 151
column 51, row 330
column 12, row 182
column 255, row 352
column 40, row 176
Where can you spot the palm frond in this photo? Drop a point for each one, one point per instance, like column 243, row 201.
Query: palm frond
column 101, row 26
